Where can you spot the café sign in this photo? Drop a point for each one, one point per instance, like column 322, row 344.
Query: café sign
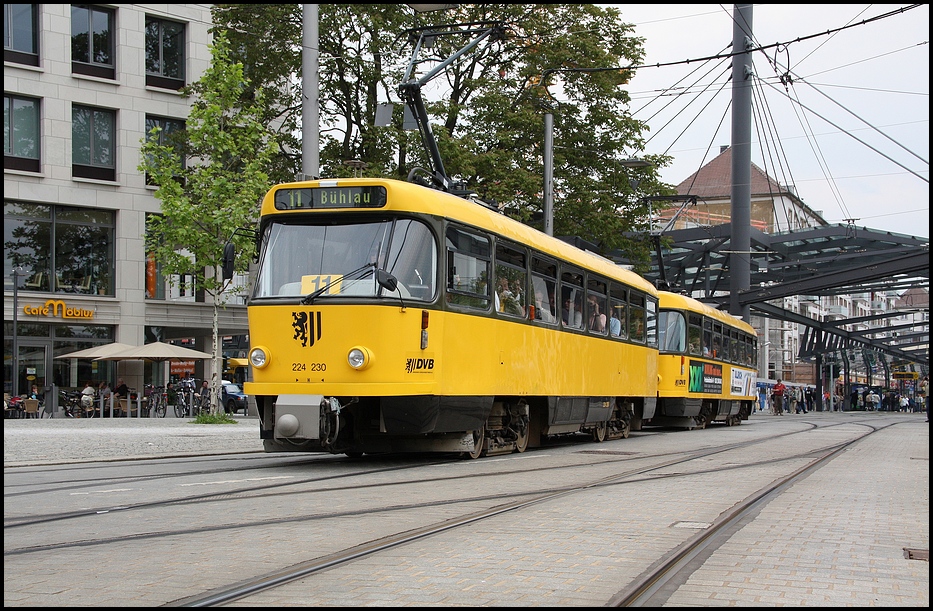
column 58, row 308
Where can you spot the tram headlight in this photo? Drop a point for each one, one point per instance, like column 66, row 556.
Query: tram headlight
column 259, row 357
column 359, row 357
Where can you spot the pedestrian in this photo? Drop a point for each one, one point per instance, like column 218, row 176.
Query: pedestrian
column 799, row 406
column 902, row 403
column 808, row 398
column 777, row 398
column 104, row 393
column 87, row 398
column 925, row 394
column 874, row 400
column 121, row 390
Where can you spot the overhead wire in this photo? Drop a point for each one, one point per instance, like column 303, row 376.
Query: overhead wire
column 848, row 133
column 764, row 111
column 763, row 128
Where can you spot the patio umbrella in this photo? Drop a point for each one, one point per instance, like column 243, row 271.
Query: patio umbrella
column 157, row 352
column 97, row 351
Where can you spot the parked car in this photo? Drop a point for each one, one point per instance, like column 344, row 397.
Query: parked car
column 233, row 398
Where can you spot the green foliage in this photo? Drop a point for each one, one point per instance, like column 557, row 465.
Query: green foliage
column 487, row 107
column 228, row 150
column 222, row 418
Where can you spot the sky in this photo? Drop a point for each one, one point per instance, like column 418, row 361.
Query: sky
column 869, row 82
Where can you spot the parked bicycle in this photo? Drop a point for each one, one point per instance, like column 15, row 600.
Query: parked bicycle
column 158, row 401
column 75, row 404
column 186, row 400
column 181, row 405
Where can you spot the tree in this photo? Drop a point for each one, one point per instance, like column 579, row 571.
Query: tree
column 203, row 202
column 487, row 106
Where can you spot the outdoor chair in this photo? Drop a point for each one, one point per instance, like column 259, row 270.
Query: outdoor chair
column 127, row 407
column 31, row 408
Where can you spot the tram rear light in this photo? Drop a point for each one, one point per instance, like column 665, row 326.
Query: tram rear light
column 424, row 329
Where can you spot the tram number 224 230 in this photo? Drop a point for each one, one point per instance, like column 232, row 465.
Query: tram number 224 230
column 309, row 366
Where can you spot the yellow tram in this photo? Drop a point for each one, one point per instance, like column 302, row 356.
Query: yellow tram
column 706, row 365
column 388, row 316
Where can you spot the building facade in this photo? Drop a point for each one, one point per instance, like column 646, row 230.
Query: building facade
column 83, row 85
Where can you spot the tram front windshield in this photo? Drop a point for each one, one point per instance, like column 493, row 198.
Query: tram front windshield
column 301, row 258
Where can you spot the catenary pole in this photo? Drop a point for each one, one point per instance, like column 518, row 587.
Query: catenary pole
column 310, row 86
column 739, row 266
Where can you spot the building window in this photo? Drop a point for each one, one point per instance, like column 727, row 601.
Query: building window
column 21, row 34
column 92, row 49
column 171, row 133
column 165, row 53
column 155, row 280
column 93, row 137
column 20, row 133
column 61, row 249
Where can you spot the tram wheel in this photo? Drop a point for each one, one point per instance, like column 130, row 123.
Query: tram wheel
column 626, row 429
column 599, row 432
column 521, row 442
column 479, row 443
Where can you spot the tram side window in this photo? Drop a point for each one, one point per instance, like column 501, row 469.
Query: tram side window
column 596, row 318
column 544, row 284
column 510, row 280
column 717, row 340
column 468, row 264
column 651, row 322
column 618, row 320
column 672, row 331
column 736, row 352
column 571, row 298
column 694, row 334
column 707, row 337
column 636, row 317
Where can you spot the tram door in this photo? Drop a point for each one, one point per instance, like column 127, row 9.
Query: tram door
column 34, row 366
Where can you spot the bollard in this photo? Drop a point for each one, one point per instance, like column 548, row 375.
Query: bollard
column 51, row 401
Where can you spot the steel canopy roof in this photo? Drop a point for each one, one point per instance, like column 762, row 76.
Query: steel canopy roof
column 819, row 262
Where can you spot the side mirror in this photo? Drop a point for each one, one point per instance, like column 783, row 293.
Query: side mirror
column 227, row 261
column 386, row 280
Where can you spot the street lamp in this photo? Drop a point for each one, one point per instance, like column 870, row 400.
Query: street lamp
column 17, row 272
column 631, row 162
column 549, row 146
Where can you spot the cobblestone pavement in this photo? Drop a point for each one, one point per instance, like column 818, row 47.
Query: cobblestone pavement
column 57, row 440
column 837, row 537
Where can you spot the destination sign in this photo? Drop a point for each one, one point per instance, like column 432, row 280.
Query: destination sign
column 330, row 197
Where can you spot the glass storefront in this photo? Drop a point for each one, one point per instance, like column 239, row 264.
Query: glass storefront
column 60, row 249
column 39, row 344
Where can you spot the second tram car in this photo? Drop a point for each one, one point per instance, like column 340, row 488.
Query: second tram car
column 387, row 316
column 707, row 365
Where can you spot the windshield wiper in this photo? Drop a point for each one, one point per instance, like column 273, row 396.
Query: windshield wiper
column 307, row 300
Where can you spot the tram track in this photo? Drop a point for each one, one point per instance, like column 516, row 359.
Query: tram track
column 683, row 465
column 649, row 589
column 637, row 596
column 278, row 487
